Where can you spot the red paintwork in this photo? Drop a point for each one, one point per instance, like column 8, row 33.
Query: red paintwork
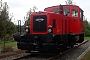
column 50, row 9
column 64, row 24
column 31, row 22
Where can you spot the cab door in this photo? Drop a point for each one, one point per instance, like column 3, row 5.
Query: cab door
column 75, row 21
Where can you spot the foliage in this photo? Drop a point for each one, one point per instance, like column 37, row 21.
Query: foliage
column 86, row 28
column 3, row 20
column 22, row 28
column 27, row 18
column 6, row 26
column 10, row 28
column 70, row 2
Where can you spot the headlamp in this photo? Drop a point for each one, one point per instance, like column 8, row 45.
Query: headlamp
column 26, row 29
column 49, row 28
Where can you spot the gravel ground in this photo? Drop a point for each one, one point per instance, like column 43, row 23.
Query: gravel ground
column 36, row 57
column 74, row 53
column 16, row 56
column 7, row 53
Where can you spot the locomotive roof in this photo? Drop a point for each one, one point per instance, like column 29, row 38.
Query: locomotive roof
column 64, row 5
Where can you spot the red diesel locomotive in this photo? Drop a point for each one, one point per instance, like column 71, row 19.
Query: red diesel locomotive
column 53, row 30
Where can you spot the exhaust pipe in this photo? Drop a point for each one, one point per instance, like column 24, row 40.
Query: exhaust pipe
column 17, row 36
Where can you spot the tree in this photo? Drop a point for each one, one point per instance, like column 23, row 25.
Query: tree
column 27, row 18
column 86, row 28
column 70, row 2
column 6, row 26
column 3, row 20
column 10, row 28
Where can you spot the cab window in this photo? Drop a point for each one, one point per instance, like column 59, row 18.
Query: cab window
column 74, row 13
column 47, row 10
column 66, row 11
column 81, row 14
column 56, row 10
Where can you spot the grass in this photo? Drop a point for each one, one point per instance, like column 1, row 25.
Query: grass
column 86, row 38
column 86, row 56
column 8, row 44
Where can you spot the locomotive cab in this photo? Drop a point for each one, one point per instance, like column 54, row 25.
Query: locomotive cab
column 75, row 19
column 53, row 29
column 67, row 10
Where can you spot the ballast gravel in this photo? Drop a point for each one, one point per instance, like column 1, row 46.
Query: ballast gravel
column 75, row 52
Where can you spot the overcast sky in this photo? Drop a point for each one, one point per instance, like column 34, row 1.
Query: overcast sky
column 20, row 7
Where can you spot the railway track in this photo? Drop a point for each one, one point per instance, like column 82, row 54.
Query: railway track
column 45, row 57
column 65, row 52
column 34, row 57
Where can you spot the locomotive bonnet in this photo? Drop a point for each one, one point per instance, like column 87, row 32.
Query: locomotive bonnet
column 52, row 30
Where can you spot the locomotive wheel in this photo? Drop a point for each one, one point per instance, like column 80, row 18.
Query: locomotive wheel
column 71, row 41
column 49, row 37
column 81, row 38
column 72, row 45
